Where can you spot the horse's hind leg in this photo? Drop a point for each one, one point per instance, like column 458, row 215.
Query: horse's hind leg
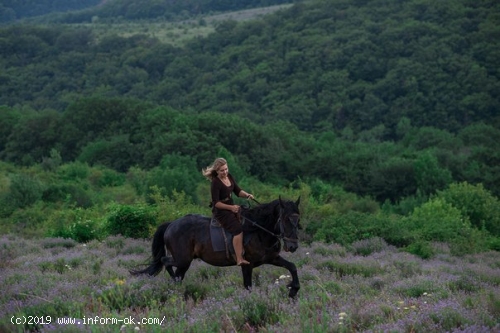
column 168, row 263
column 180, row 271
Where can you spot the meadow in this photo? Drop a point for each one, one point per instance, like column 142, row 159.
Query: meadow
column 175, row 33
column 56, row 283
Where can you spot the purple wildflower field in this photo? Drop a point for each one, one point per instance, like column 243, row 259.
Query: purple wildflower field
column 59, row 285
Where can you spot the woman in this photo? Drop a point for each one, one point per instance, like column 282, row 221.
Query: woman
column 223, row 207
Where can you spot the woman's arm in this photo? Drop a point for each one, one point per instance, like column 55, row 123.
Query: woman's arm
column 244, row 194
column 233, row 208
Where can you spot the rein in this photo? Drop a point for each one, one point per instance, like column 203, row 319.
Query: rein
column 281, row 236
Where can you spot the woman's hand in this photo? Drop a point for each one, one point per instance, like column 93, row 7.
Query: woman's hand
column 235, row 209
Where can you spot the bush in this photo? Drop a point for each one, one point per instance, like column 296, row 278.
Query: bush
column 28, row 221
column 67, row 193
column 24, row 191
column 436, row 220
column 175, row 206
column 422, row 249
column 132, row 221
column 354, row 226
column 439, row 221
column 258, row 311
column 342, row 228
column 6, row 205
column 476, row 203
column 74, row 171
column 103, row 177
column 176, row 173
column 79, row 224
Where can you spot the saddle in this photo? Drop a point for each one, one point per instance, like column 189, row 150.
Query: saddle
column 222, row 240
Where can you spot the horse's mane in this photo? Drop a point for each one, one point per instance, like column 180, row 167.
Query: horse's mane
column 263, row 214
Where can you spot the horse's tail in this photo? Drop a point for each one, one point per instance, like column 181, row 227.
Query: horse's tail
column 158, row 252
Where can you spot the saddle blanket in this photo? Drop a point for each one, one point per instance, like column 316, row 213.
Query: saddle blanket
column 222, row 239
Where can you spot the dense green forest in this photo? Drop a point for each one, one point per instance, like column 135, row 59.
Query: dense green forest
column 78, row 11
column 12, row 10
column 320, row 65
column 167, row 9
column 385, row 114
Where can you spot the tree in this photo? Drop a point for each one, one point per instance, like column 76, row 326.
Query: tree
column 32, row 138
column 176, row 173
column 429, row 176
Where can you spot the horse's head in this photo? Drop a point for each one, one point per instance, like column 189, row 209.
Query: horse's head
column 288, row 224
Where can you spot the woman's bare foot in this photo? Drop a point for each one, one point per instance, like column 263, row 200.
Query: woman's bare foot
column 243, row 262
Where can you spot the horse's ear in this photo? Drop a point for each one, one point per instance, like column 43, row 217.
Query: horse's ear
column 298, row 201
column 281, row 202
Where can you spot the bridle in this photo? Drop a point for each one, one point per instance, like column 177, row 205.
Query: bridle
column 281, row 235
column 282, row 227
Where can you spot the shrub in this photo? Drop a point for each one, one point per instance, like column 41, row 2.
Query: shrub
column 494, row 244
column 6, row 206
column 259, row 311
column 469, row 241
column 354, row 226
column 78, row 224
column 103, row 177
column 132, row 221
column 341, row 229
column 175, row 174
column 28, row 220
column 436, row 220
column 439, row 221
column 24, row 190
column 420, row 248
column 137, row 178
column 81, row 225
column 74, row 171
column 196, row 291
column 475, row 202
column 172, row 207
column 69, row 193
column 405, row 206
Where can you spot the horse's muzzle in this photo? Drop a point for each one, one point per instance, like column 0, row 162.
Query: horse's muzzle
column 290, row 247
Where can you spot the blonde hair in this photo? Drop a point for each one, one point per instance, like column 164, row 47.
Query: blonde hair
column 211, row 171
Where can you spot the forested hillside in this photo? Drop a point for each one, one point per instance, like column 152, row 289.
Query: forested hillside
column 12, row 10
column 320, row 65
column 387, row 100
column 80, row 11
column 171, row 10
column 382, row 117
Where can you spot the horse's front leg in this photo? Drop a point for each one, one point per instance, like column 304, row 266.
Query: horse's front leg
column 295, row 284
column 246, row 270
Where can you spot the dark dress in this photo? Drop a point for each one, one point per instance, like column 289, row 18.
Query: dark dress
column 222, row 193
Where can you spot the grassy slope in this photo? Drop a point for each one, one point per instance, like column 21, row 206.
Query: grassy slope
column 176, row 33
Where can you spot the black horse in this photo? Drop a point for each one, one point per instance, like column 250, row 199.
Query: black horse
column 177, row 243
